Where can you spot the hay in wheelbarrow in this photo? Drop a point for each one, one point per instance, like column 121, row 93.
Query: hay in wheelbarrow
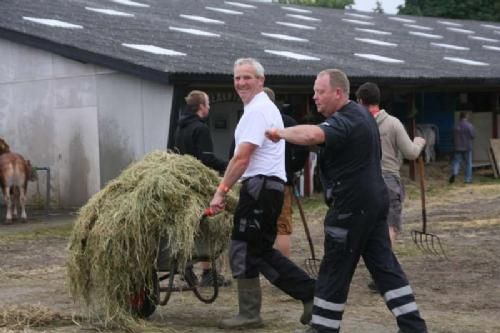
column 116, row 237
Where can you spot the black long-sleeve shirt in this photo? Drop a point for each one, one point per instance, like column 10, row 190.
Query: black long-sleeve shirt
column 192, row 137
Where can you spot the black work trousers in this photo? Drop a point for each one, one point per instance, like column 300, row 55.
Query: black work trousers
column 254, row 233
column 350, row 235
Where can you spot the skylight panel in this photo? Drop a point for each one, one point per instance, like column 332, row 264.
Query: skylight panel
column 108, row 11
column 53, row 23
column 293, row 55
column 378, row 58
column 130, row 3
column 466, row 61
column 462, row 31
column 284, row 37
column 239, row 4
column 491, row 26
column 491, row 47
column 484, row 39
column 400, row 19
column 450, row 46
column 201, row 19
column 453, row 24
column 194, row 32
column 359, row 15
column 224, row 11
column 375, row 42
column 373, row 31
column 295, row 25
column 418, row 27
column 154, row 49
column 297, row 10
column 423, row 34
column 303, row 17
column 357, row 22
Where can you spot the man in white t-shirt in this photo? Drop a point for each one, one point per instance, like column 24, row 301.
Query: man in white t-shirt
column 260, row 165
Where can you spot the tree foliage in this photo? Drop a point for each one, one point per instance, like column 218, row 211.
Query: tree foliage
column 482, row 10
column 378, row 7
column 339, row 4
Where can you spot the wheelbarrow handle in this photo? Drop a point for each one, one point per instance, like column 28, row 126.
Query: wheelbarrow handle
column 208, row 212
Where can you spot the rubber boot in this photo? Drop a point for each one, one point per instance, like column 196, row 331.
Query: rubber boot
column 307, row 313
column 250, row 300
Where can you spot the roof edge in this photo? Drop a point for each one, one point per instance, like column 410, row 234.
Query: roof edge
column 85, row 56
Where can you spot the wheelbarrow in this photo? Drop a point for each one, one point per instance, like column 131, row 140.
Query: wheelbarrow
column 169, row 277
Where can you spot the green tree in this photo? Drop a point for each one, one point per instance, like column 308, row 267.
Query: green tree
column 482, row 10
column 378, row 8
column 339, row 4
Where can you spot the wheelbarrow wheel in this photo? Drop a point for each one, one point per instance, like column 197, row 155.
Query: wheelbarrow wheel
column 144, row 303
column 147, row 309
column 206, row 293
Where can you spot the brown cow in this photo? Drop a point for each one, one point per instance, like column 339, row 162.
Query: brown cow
column 15, row 172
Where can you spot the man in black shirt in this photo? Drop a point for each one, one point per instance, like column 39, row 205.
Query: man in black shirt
column 358, row 204
column 295, row 158
column 192, row 137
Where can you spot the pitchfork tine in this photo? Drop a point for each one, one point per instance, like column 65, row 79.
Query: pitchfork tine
column 438, row 251
column 423, row 240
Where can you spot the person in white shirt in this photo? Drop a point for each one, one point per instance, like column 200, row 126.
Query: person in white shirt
column 260, row 165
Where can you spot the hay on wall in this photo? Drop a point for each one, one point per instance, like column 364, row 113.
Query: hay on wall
column 115, row 240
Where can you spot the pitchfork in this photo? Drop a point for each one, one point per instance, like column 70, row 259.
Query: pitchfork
column 426, row 242
column 311, row 264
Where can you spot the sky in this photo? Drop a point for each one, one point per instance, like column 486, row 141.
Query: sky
column 390, row 6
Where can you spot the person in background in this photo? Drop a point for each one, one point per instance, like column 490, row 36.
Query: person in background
column 260, row 165
column 295, row 159
column 396, row 144
column 355, row 223
column 192, row 137
column 463, row 135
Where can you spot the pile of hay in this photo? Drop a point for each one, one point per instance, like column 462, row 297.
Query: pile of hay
column 19, row 317
column 115, row 240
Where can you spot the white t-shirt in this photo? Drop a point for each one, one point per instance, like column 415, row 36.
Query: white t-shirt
column 268, row 158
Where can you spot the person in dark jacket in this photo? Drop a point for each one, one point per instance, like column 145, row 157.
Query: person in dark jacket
column 192, row 137
column 295, row 158
column 463, row 134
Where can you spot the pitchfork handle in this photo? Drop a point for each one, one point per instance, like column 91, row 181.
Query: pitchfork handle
column 306, row 228
column 422, row 192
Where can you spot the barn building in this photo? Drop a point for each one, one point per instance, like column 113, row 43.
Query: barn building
column 88, row 86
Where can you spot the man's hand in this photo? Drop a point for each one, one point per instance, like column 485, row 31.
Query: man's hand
column 419, row 141
column 273, row 134
column 218, row 202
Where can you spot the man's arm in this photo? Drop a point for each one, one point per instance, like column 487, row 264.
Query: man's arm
column 410, row 150
column 472, row 131
column 235, row 169
column 304, row 135
column 205, row 151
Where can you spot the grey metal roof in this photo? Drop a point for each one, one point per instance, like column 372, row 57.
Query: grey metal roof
column 290, row 41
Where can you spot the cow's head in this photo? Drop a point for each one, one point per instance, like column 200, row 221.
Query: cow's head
column 4, row 147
